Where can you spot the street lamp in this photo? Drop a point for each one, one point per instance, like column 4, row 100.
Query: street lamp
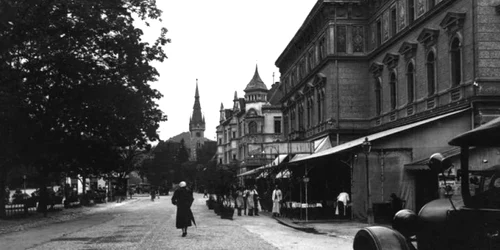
column 277, row 152
column 367, row 147
column 24, row 183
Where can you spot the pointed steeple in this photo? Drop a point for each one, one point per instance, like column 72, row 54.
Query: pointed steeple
column 222, row 116
column 196, row 119
column 196, row 95
column 236, row 102
column 256, row 83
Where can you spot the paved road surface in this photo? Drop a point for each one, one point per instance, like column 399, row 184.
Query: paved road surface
column 142, row 224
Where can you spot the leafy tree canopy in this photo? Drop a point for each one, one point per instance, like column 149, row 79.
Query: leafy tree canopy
column 75, row 75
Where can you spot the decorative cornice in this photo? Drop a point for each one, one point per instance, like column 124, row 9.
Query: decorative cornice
column 452, row 21
column 376, row 68
column 391, row 60
column 428, row 36
column 408, row 49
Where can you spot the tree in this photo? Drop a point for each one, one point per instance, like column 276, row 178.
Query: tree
column 80, row 72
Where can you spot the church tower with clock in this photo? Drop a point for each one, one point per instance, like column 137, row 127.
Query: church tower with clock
column 196, row 127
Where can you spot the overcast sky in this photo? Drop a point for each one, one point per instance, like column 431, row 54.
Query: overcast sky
column 219, row 42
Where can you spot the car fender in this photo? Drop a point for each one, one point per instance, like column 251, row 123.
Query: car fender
column 379, row 238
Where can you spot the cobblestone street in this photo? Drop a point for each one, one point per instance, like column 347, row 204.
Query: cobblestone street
column 142, row 224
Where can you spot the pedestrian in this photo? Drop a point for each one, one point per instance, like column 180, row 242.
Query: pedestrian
column 249, row 201
column 396, row 204
column 277, row 197
column 183, row 198
column 251, row 198
column 256, row 199
column 240, row 200
column 152, row 192
column 342, row 199
column 205, row 193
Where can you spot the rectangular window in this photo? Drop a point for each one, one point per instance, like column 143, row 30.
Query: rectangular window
column 341, row 38
column 311, row 59
column 234, row 157
column 411, row 11
column 322, row 48
column 379, row 32
column 431, row 4
column 277, row 125
column 393, row 21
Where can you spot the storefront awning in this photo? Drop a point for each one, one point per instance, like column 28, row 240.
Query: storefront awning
column 250, row 172
column 283, row 174
column 319, row 145
column 280, row 159
column 422, row 163
column 372, row 137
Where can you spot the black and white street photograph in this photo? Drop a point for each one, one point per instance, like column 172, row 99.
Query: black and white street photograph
column 268, row 124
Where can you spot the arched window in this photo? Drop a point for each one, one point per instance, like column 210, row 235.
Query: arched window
column 392, row 88
column 431, row 73
column 252, row 128
column 410, row 82
column 456, row 62
column 378, row 97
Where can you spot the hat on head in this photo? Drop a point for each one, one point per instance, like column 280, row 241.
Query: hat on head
column 182, row 184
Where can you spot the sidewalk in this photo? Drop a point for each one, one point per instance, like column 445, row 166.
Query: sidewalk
column 16, row 224
column 335, row 228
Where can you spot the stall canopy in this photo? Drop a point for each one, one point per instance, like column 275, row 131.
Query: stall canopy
column 280, row 159
column 319, row 146
column 372, row 137
column 283, row 174
column 422, row 163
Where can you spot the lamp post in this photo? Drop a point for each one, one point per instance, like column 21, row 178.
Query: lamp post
column 277, row 152
column 24, row 183
column 367, row 146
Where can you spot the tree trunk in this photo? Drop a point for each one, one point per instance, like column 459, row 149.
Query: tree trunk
column 84, row 184
column 2, row 191
column 44, row 195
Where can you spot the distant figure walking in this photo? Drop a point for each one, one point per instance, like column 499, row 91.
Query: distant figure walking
column 277, row 197
column 183, row 198
column 152, row 192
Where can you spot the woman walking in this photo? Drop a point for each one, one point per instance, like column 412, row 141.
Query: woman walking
column 183, row 198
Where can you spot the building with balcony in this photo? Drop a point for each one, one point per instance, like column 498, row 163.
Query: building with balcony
column 406, row 75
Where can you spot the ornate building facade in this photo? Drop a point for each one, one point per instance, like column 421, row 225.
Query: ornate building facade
column 406, row 75
column 254, row 119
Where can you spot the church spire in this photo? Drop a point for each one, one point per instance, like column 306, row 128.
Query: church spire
column 196, row 119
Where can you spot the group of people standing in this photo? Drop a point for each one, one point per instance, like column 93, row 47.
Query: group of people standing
column 247, row 200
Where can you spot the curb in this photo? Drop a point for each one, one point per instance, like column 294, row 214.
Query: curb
column 296, row 226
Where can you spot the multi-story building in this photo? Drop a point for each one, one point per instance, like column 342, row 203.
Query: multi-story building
column 406, row 75
column 253, row 120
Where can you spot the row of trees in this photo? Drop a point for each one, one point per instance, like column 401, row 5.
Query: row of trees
column 74, row 92
column 169, row 163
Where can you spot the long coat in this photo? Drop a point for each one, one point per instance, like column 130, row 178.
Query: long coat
column 183, row 198
column 277, row 196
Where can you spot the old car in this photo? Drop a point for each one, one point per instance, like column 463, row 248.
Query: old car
column 471, row 223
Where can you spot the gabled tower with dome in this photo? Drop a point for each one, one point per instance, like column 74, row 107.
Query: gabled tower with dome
column 196, row 127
